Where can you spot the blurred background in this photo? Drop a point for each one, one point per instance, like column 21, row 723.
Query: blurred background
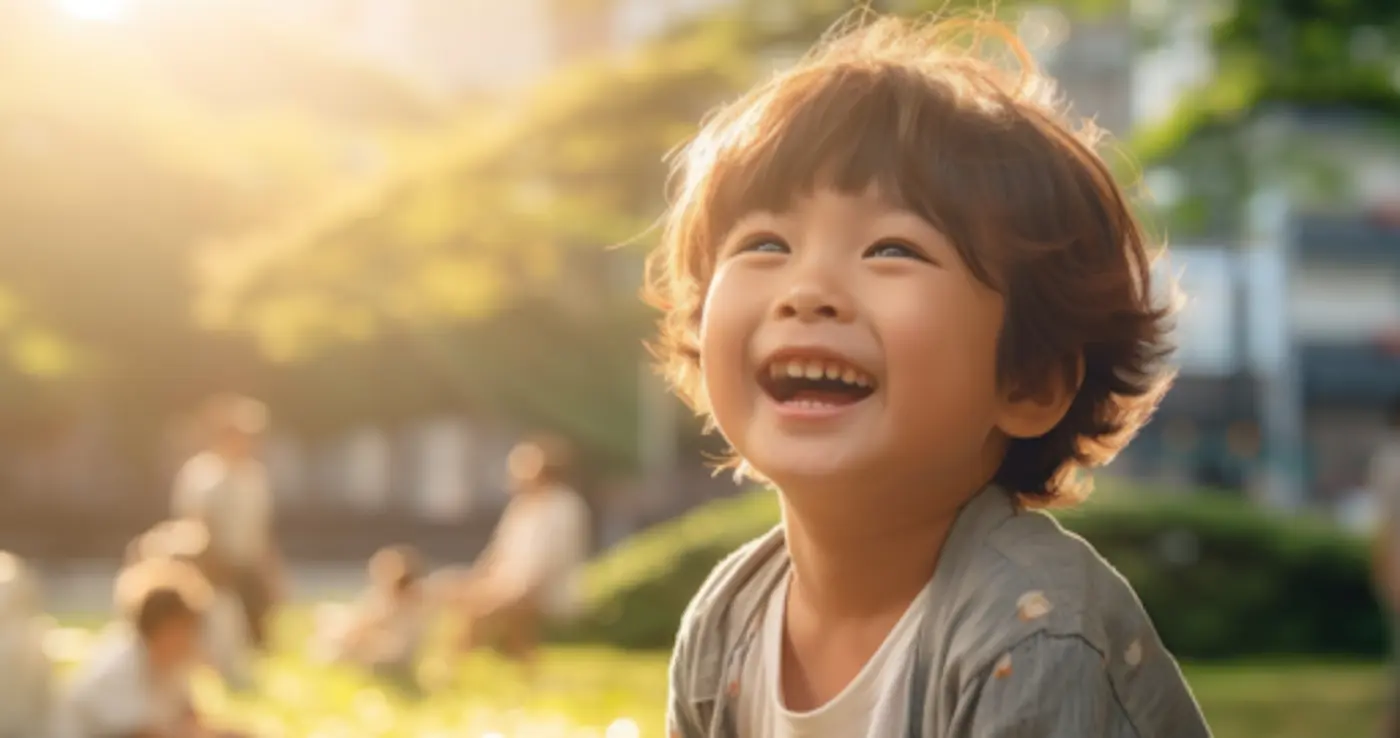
column 415, row 228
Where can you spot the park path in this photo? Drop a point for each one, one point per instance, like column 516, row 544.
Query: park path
column 85, row 587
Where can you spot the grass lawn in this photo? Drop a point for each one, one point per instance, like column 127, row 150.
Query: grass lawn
column 609, row 694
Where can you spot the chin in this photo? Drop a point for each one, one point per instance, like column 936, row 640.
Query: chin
column 796, row 467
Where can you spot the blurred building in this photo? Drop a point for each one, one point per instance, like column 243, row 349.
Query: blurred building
column 1338, row 308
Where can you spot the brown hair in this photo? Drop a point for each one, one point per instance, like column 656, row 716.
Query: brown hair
column 156, row 591
column 981, row 151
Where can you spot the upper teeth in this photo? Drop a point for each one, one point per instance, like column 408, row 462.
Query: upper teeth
column 817, row 369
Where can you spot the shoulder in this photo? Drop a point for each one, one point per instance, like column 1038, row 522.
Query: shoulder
column 567, row 501
column 1029, row 575
column 1036, row 593
column 201, row 470
column 732, row 588
column 112, row 673
column 731, row 577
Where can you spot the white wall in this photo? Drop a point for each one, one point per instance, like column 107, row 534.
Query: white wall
column 1345, row 303
column 1205, row 330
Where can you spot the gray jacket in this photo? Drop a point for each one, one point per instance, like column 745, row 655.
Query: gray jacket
column 1029, row 634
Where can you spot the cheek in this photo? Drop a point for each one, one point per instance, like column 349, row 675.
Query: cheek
column 941, row 354
column 731, row 313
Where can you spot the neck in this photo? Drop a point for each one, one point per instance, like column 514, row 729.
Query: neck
column 850, row 568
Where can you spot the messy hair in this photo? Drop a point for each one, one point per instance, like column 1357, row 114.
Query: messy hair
column 976, row 143
column 156, row 591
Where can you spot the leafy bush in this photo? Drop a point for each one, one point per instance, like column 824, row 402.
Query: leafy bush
column 1220, row 577
column 638, row 590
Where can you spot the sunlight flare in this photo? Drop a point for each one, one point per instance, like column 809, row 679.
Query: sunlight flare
column 94, row 10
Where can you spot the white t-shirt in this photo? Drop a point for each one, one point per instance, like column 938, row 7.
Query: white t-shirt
column 543, row 541
column 880, row 689
column 234, row 503
column 114, row 693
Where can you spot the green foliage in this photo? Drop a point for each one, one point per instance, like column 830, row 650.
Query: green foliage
column 637, row 591
column 1329, row 55
column 1222, row 578
column 533, row 367
column 1219, row 578
column 512, row 204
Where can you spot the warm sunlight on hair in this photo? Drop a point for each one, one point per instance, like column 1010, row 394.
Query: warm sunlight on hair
column 95, row 10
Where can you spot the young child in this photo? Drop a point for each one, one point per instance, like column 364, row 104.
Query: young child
column 225, row 638
column 912, row 298
column 384, row 631
column 26, row 684
column 136, row 682
column 529, row 573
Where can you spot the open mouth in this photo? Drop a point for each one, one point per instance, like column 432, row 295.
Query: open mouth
column 814, row 382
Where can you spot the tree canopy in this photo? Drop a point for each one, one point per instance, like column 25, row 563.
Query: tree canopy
column 1335, row 58
column 491, row 255
column 122, row 150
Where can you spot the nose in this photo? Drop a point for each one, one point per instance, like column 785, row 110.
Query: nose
column 811, row 301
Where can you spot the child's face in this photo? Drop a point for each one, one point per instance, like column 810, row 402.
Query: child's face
column 875, row 300
column 175, row 643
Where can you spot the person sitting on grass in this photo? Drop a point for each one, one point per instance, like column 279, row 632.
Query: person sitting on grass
column 27, row 685
column 136, row 683
column 384, row 631
column 529, row 573
column 225, row 637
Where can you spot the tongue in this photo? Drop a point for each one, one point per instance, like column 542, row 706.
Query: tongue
column 824, row 397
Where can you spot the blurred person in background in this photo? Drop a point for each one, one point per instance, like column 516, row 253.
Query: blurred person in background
column 136, row 682
column 26, row 687
column 1384, row 484
column 384, row 631
column 529, row 574
column 225, row 487
column 224, row 637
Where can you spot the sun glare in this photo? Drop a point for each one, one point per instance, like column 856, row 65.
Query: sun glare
column 94, row 10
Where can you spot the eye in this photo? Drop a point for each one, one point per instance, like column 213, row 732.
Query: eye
column 894, row 250
column 764, row 245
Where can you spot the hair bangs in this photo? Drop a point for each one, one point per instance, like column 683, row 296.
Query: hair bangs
column 842, row 129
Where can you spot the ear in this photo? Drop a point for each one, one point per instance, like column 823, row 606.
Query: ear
column 1032, row 410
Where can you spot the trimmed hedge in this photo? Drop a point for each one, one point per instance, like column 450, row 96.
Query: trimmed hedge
column 1220, row 577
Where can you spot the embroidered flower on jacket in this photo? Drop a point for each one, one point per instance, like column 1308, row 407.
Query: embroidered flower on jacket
column 1033, row 605
column 1133, row 656
column 1002, row 669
